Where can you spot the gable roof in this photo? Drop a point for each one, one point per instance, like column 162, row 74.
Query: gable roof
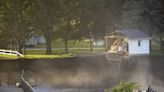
column 133, row 33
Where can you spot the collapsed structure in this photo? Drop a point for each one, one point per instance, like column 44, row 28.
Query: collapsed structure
column 131, row 41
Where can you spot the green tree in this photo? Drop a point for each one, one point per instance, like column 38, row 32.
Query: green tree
column 68, row 21
column 90, row 18
column 15, row 21
column 125, row 87
column 143, row 14
column 46, row 16
column 67, row 31
column 97, row 17
column 161, row 25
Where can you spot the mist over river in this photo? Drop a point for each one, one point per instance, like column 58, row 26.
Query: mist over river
column 90, row 72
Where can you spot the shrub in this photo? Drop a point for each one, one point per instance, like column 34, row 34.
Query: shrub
column 125, row 87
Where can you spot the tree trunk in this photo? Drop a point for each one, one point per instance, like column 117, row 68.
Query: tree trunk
column 91, row 45
column 12, row 46
column 48, row 43
column 19, row 46
column 161, row 42
column 66, row 46
column 150, row 44
column 24, row 46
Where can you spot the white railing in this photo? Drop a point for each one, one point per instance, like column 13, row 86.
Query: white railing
column 10, row 52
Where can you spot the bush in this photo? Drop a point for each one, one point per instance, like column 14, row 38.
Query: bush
column 125, row 87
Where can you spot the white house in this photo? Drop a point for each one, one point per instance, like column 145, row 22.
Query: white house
column 98, row 42
column 35, row 40
column 32, row 41
column 133, row 41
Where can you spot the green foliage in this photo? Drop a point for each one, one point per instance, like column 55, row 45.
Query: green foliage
column 14, row 21
column 143, row 14
column 5, row 56
column 37, row 56
column 125, row 87
column 73, row 19
column 59, row 43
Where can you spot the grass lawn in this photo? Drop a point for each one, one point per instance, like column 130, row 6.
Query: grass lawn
column 58, row 53
column 37, row 56
column 71, row 44
column 61, row 51
column 157, row 52
column 5, row 56
column 75, row 47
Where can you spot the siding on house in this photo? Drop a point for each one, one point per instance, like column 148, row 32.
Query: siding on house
column 139, row 46
column 41, row 40
column 32, row 41
column 138, row 40
column 98, row 43
column 35, row 40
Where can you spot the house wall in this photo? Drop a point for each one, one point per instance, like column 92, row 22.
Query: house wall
column 98, row 43
column 135, row 48
column 41, row 40
column 35, row 40
column 32, row 41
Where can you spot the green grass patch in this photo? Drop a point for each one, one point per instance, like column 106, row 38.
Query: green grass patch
column 58, row 51
column 35, row 51
column 157, row 52
column 78, row 51
column 71, row 44
column 62, row 50
column 5, row 56
column 37, row 56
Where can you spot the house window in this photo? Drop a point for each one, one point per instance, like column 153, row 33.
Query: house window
column 139, row 43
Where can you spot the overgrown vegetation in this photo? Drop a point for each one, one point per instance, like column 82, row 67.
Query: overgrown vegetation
column 125, row 87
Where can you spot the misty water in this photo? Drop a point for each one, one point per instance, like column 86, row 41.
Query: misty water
column 98, row 72
column 91, row 73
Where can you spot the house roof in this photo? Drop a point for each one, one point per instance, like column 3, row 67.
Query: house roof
column 134, row 33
